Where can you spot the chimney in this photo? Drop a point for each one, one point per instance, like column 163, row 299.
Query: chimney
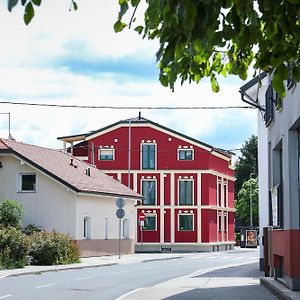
column 88, row 172
column 140, row 115
column 71, row 162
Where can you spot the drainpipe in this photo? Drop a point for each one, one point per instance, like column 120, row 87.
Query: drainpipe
column 129, row 151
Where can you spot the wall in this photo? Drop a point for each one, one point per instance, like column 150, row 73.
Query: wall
column 52, row 206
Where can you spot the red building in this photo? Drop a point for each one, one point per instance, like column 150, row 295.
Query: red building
column 188, row 186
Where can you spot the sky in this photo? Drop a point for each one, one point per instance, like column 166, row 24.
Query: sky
column 75, row 58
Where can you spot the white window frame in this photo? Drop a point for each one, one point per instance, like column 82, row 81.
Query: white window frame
column 87, row 228
column 225, row 192
column 106, row 149
column 178, row 222
column 151, row 215
column 178, row 191
column 187, row 149
column 220, row 192
column 141, row 155
column 150, row 179
column 20, row 180
column 126, row 228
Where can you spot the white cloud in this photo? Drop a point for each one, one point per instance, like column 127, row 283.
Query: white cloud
column 28, row 73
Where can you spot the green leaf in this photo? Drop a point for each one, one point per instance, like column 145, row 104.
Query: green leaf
column 11, row 4
column 296, row 73
column 139, row 29
column 29, row 13
column 134, row 3
column 164, row 80
column 36, row 2
column 119, row 26
column 214, row 84
column 75, row 6
column 123, row 9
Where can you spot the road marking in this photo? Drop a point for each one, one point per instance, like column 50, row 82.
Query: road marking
column 86, row 278
column 119, row 272
column 129, row 293
column 5, row 296
column 46, row 285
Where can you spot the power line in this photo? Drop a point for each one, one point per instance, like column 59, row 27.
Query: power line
column 126, row 107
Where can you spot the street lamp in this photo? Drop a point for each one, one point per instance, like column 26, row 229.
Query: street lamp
column 251, row 213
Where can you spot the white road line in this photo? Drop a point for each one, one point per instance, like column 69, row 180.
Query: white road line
column 5, row 296
column 129, row 293
column 46, row 285
column 119, row 272
column 86, row 278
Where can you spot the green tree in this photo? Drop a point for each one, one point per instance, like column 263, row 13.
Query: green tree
column 246, row 164
column 242, row 204
column 11, row 213
column 206, row 38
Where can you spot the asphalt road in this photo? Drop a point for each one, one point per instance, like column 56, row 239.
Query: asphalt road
column 123, row 281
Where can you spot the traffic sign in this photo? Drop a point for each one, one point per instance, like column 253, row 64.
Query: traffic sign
column 120, row 202
column 141, row 217
column 120, row 213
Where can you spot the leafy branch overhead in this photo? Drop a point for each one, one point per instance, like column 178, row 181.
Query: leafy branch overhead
column 207, row 38
column 201, row 38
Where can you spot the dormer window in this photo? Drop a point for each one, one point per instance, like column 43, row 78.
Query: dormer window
column 106, row 154
column 185, row 154
column 148, row 156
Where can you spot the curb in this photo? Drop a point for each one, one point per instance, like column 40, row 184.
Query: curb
column 159, row 259
column 278, row 289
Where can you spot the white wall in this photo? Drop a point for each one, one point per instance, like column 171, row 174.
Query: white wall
column 52, row 206
column 99, row 207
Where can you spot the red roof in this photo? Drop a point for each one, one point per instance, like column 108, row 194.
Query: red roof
column 67, row 169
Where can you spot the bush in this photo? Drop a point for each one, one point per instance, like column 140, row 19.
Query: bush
column 14, row 247
column 52, row 248
column 30, row 229
column 11, row 213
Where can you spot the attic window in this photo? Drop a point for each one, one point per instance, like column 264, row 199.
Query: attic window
column 106, row 154
column 27, row 182
column 185, row 154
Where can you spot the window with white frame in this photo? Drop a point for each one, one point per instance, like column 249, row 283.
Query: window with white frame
column 225, row 192
column 149, row 192
column 148, row 156
column 126, row 229
column 106, row 154
column 150, row 223
column 185, row 154
column 186, row 222
column 219, row 192
column 87, row 227
column 225, row 221
column 27, row 182
column 185, row 191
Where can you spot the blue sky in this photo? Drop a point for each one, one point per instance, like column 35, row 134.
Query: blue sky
column 67, row 57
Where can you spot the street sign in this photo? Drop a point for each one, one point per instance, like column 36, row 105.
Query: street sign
column 120, row 202
column 120, row 213
column 141, row 217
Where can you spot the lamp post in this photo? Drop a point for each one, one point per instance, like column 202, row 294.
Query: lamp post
column 251, row 213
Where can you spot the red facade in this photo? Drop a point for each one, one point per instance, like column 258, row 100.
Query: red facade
column 187, row 185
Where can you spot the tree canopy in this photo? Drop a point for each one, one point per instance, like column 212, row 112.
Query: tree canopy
column 208, row 38
column 246, row 164
column 248, row 193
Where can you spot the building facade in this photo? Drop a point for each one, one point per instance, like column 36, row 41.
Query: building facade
column 58, row 191
column 187, row 185
column 279, row 179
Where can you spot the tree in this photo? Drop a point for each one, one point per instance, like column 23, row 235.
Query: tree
column 246, row 164
column 11, row 213
column 248, row 191
column 206, row 38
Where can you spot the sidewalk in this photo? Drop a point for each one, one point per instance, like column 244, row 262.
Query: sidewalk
column 93, row 262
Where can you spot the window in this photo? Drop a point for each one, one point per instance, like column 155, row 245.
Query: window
column 126, row 229
column 186, row 222
column 219, row 192
column 220, row 221
column 185, row 154
column 225, row 194
column 148, row 156
column 87, row 227
column 225, row 222
column 106, row 154
column 185, row 192
column 149, row 192
column 150, row 223
column 27, row 182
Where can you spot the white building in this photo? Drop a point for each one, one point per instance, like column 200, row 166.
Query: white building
column 63, row 193
column 279, row 179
